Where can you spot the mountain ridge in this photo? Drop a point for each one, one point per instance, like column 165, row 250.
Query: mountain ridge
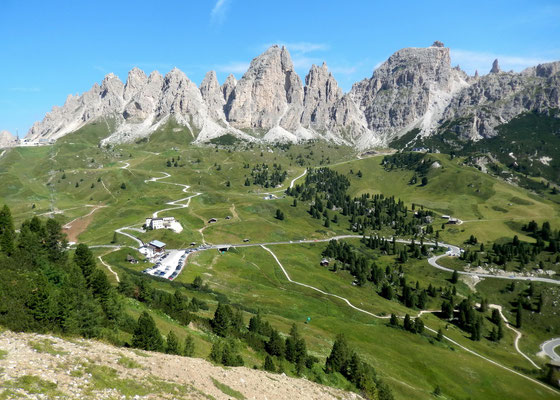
column 416, row 88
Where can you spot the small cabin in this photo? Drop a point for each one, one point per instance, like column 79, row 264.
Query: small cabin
column 212, row 220
column 131, row 259
column 157, row 246
column 324, row 262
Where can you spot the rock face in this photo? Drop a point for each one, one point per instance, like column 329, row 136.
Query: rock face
column 498, row 97
column 416, row 88
column 7, row 139
column 269, row 95
column 495, row 67
column 411, row 89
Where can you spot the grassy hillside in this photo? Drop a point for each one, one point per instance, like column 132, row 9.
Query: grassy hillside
column 65, row 180
column 528, row 144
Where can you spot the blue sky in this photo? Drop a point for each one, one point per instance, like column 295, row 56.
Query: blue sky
column 49, row 49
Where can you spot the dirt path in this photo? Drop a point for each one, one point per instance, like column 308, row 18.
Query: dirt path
column 518, row 334
column 78, row 225
column 426, row 327
column 108, row 191
column 234, row 215
column 108, row 266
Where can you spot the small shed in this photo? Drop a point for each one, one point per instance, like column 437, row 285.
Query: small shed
column 324, row 262
column 157, row 246
column 212, row 220
column 131, row 259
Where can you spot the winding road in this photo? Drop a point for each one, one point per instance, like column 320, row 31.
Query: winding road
column 548, row 348
column 452, row 251
column 426, row 327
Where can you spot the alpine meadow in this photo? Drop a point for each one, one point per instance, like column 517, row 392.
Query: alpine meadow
column 276, row 234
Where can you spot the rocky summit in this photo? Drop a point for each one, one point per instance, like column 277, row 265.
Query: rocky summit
column 416, row 88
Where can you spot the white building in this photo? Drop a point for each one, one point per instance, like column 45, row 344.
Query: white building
column 164, row 223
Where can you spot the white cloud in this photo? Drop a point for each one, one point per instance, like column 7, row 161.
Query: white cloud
column 470, row 61
column 218, row 13
column 234, row 67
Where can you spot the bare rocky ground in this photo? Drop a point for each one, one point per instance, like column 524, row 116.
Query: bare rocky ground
column 46, row 367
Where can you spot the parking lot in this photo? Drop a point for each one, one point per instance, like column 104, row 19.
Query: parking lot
column 169, row 265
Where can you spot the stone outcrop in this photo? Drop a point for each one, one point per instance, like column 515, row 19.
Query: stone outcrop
column 7, row 139
column 495, row 67
column 416, row 88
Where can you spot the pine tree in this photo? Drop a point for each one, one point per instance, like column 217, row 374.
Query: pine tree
column 540, row 303
column 123, row 186
column 407, row 323
column 221, row 323
column 496, row 318
column 439, row 336
column 83, row 258
column 454, row 277
column 519, row 317
column 146, row 335
column 7, row 232
column 114, row 240
column 337, row 360
column 188, row 348
column 394, row 321
column 418, row 325
column 275, row 345
column 269, row 364
column 172, row 346
column 216, row 352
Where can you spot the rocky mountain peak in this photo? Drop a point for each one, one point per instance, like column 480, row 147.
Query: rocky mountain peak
column 410, row 89
column 321, row 93
column 414, row 88
column 213, row 96
column 228, row 86
column 269, row 94
column 136, row 80
column 495, row 67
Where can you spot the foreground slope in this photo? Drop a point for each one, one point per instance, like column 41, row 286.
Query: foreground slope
column 35, row 366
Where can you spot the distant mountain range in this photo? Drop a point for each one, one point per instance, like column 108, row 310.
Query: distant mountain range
column 415, row 90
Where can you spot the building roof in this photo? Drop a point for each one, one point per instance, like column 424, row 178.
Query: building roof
column 157, row 243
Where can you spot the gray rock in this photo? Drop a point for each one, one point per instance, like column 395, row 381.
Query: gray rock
column 213, row 96
column 7, row 139
column 270, row 94
column 414, row 88
column 495, row 67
